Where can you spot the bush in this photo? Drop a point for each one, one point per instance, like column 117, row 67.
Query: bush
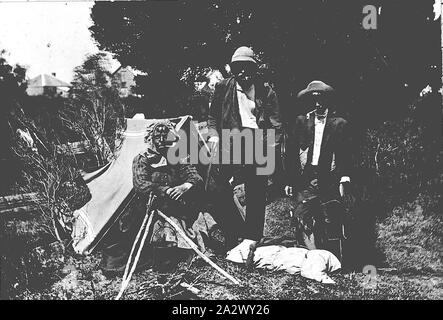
column 31, row 250
column 94, row 111
column 29, row 261
column 403, row 159
column 57, row 181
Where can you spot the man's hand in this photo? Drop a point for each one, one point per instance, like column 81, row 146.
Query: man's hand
column 344, row 188
column 176, row 192
column 345, row 193
column 213, row 144
column 289, row 191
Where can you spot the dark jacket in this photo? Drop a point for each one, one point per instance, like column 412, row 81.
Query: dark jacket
column 148, row 178
column 224, row 111
column 336, row 144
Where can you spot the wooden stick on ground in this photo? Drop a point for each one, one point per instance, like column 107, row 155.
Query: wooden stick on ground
column 194, row 247
column 190, row 288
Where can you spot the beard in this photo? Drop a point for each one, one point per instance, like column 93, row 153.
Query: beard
column 245, row 82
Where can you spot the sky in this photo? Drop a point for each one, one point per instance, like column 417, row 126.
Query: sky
column 46, row 37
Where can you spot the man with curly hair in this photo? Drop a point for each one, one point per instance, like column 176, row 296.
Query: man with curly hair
column 178, row 189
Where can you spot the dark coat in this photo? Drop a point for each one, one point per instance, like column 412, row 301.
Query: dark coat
column 336, row 141
column 148, row 178
column 224, row 111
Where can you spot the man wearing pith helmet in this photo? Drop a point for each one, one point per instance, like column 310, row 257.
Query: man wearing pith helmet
column 318, row 161
column 242, row 103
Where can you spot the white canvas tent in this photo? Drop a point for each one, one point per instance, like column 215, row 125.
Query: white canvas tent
column 111, row 187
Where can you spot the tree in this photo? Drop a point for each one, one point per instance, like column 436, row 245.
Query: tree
column 95, row 112
column 12, row 93
column 377, row 73
column 180, row 46
column 12, row 84
column 300, row 41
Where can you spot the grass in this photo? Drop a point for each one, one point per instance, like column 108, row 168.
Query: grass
column 83, row 280
column 65, row 276
column 411, row 237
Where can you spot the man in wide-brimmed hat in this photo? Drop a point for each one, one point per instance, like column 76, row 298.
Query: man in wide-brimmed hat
column 318, row 161
column 242, row 103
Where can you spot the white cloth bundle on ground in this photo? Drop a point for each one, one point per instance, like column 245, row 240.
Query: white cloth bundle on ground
column 311, row 264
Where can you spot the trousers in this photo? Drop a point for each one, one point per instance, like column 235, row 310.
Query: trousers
column 225, row 210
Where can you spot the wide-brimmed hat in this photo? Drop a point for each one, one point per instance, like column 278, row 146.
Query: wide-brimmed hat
column 315, row 86
column 243, row 54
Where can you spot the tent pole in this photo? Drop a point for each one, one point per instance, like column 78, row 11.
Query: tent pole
column 129, row 269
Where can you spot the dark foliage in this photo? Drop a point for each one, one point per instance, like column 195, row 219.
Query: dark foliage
column 377, row 72
column 12, row 92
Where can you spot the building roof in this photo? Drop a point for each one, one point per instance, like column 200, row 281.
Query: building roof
column 46, row 80
column 135, row 72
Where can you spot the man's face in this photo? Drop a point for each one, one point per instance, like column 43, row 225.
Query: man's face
column 318, row 102
column 164, row 137
column 244, row 72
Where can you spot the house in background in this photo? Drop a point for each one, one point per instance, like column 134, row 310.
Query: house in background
column 47, row 85
column 125, row 79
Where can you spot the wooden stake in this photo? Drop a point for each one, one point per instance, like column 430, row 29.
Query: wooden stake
column 129, row 269
column 194, row 247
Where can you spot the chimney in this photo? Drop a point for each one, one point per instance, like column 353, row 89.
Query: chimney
column 53, row 74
